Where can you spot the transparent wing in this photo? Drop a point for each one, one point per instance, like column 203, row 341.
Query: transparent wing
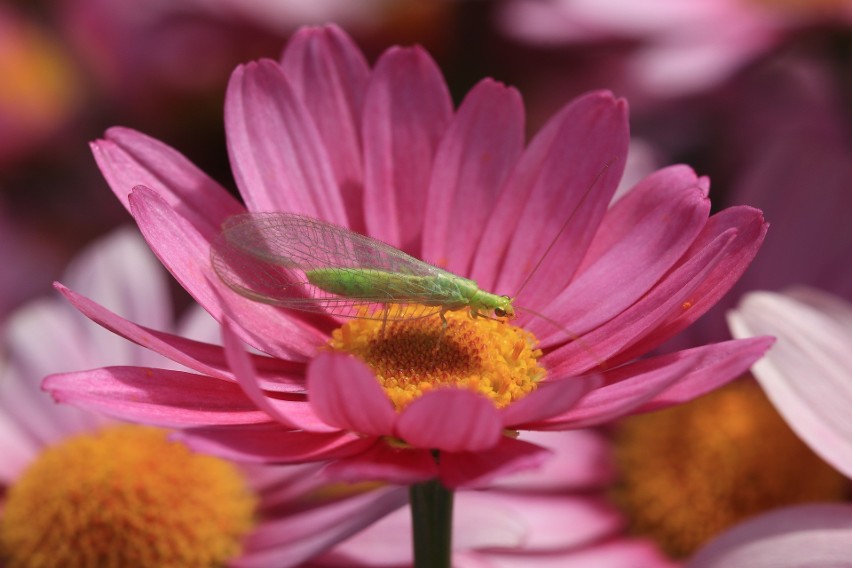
column 267, row 257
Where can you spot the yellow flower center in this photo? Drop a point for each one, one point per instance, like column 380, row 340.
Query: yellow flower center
column 411, row 357
column 691, row 471
column 125, row 496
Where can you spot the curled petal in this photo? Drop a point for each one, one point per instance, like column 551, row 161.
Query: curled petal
column 128, row 158
column 295, row 538
column 808, row 374
column 807, row 536
column 295, row 414
column 276, row 374
column 451, row 420
column 385, row 463
column 186, row 254
column 155, row 396
column 270, row 443
column 476, row 469
column 345, row 392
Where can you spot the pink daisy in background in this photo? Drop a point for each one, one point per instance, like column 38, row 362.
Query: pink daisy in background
column 382, row 152
column 676, row 48
column 807, row 377
column 80, row 489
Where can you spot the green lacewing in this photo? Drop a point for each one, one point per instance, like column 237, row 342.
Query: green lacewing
column 302, row 263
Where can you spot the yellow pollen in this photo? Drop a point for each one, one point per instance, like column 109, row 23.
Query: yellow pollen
column 414, row 356
column 125, row 496
column 689, row 472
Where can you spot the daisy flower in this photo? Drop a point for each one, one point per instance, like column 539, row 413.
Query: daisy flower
column 681, row 47
column 808, row 377
column 80, row 489
column 383, row 152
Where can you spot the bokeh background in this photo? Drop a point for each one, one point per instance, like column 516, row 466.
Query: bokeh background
column 755, row 94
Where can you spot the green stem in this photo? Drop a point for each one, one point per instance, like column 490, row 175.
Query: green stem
column 432, row 524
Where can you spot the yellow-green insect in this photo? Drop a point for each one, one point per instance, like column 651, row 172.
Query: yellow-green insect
column 302, row 263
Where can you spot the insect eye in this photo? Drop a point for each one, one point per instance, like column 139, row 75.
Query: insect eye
column 500, row 312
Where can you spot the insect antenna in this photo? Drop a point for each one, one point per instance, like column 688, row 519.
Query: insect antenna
column 564, row 226
column 599, row 362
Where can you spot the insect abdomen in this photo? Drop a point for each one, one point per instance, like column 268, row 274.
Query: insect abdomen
column 348, row 282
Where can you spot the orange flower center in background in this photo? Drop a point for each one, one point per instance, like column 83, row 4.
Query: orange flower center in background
column 411, row 357
column 125, row 496
column 691, row 471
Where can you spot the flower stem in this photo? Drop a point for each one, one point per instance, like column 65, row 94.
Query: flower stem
column 432, row 523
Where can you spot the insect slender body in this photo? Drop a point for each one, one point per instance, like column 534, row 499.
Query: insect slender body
column 447, row 292
column 302, row 263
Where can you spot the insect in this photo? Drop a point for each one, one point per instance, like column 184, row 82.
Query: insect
column 299, row 262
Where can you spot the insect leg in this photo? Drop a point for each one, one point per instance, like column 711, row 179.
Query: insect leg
column 384, row 322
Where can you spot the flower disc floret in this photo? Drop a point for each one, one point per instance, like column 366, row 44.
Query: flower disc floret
column 411, row 357
column 125, row 496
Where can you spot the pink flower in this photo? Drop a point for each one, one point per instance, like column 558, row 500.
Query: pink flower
column 383, row 152
column 808, row 377
column 683, row 47
column 294, row 521
column 808, row 374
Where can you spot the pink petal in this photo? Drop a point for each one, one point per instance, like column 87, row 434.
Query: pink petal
column 581, row 461
column 302, row 535
column 545, row 517
column 46, row 326
column 276, row 374
column 382, row 462
column 606, row 344
column 344, row 392
column 750, row 229
column 124, row 275
column 329, row 74
column 476, row 469
column 186, row 254
column 128, row 158
column 295, row 414
column 614, row 553
column 270, row 443
column 641, row 237
column 562, row 180
column 631, row 386
column 450, row 420
column 406, row 112
column 552, row 397
column 721, row 363
column 480, row 148
column 808, row 374
column 155, row 396
column 807, row 536
column 277, row 155
column 19, row 448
